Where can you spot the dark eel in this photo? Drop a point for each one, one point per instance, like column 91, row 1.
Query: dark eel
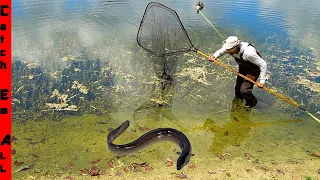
column 153, row 136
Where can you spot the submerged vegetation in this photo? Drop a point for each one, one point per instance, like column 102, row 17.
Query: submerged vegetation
column 125, row 79
column 157, row 90
column 86, row 82
column 294, row 72
column 39, row 94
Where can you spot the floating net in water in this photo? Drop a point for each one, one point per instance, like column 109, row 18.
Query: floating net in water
column 161, row 31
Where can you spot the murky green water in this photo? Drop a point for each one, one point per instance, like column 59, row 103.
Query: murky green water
column 78, row 72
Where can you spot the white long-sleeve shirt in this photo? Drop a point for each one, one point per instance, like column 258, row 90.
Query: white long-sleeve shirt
column 249, row 53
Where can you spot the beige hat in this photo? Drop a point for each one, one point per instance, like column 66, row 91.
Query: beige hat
column 231, row 42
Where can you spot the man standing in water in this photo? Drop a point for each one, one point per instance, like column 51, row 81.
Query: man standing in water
column 250, row 64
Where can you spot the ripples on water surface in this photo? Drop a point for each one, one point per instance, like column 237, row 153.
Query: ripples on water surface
column 38, row 22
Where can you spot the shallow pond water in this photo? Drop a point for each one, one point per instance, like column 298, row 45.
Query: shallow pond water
column 78, row 72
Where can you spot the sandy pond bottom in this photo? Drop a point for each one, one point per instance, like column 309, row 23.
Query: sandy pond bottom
column 226, row 145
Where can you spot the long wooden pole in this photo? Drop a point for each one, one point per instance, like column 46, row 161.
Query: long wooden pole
column 265, row 88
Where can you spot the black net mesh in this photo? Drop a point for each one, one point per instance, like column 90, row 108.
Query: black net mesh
column 161, row 31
